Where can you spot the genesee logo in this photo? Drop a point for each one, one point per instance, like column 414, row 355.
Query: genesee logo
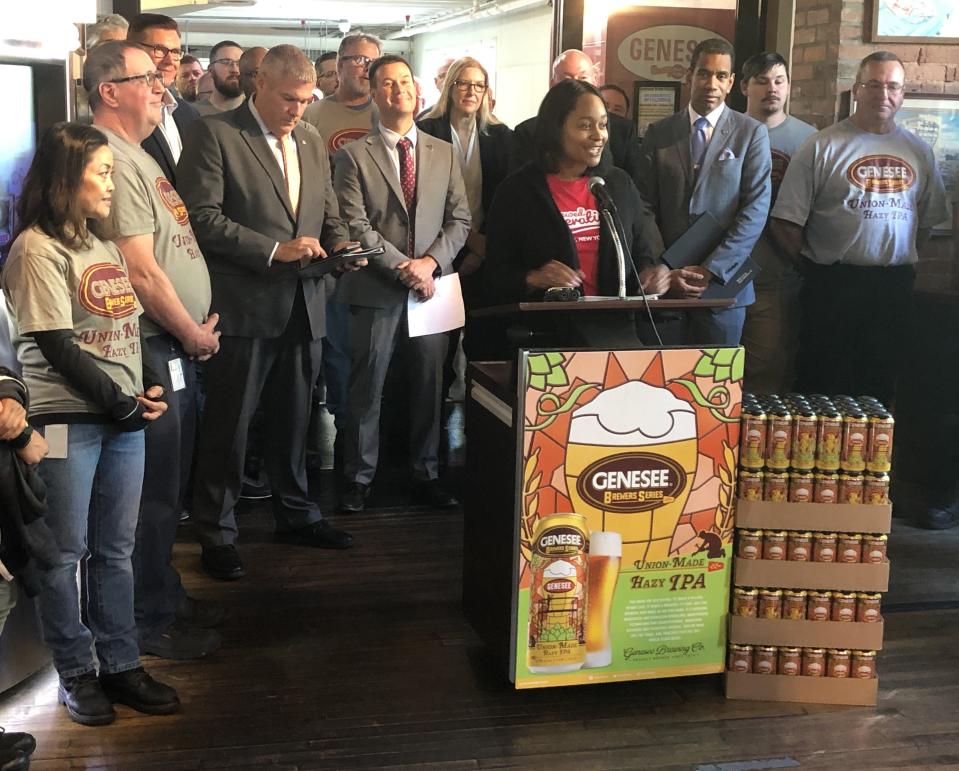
column 560, row 540
column 172, row 201
column 105, row 291
column 344, row 137
column 881, row 174
column 631, row 482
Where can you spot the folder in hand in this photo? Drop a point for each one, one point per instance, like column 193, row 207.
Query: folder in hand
column 696, row 244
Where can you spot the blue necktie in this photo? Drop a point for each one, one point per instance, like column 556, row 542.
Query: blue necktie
column 698, row 143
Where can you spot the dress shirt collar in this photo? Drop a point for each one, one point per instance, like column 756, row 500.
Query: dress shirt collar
column 392, row 138
column 712, row 117
column 263, row 127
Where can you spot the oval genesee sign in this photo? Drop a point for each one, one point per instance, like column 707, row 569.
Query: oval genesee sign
column 631, row 482
column 662, row 53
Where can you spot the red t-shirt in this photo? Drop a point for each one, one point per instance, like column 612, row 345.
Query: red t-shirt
column 578, row 207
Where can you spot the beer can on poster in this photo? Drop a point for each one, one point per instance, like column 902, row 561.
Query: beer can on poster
column 558, row 594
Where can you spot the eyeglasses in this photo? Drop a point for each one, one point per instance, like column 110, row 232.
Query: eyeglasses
column 327, row 74
column 466, row 85
column 228, row 63
column 162, row 52
column 363, row 61
column 250, row 73
column 149, row 78
column 875, row 86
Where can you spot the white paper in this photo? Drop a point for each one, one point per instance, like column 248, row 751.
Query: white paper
column 56, row 436
column 177, row 380
column 441, row 313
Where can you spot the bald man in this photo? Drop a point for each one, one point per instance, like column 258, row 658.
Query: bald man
column 250, row 68
column 623, row 147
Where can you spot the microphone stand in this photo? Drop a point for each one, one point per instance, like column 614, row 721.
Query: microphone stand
column 607, row 216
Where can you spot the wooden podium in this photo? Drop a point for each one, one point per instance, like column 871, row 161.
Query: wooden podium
column 593, row 322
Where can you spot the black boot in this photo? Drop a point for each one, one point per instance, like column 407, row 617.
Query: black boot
column 138, row 690
column 84, row 699
column 10, row 740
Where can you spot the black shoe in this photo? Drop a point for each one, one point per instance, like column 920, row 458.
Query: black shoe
column 223, row 562
column 85, row 700
column 13, row 760
column 138, row 690
column 181, row 642
column 255, row 490
column 202, row 613
column 429, row 493
column 14, row 740
column 938, row 519
column 354, row 499
column 320, row 534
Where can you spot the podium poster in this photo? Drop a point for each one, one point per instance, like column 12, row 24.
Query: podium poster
column 624, row 523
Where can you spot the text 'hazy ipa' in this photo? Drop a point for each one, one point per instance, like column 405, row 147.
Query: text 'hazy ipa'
column 557, row 595
column 605, row 554
column 630, row 463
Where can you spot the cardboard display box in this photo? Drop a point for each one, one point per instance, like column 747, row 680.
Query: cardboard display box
column 814, row 690
column 806, row 634
column 832, row 576
column 822, row 517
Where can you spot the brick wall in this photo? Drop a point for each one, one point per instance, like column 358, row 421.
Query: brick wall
column 828, row 44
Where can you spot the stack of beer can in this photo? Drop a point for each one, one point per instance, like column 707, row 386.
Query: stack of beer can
column 806, row 662
column 815, row 448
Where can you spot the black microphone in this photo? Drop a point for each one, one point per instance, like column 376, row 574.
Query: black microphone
column 597, row 186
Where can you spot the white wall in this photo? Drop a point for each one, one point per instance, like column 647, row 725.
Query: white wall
column 520, row 74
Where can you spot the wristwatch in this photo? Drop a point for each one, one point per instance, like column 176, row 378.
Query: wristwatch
column 23, row 440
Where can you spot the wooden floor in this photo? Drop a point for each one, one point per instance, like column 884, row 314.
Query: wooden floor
column 361, row 659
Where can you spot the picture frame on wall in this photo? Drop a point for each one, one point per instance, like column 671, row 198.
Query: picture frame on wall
column 654, row 100
column 914, row 21
column 934, row 118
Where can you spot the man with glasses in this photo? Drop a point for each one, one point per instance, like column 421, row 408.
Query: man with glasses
column 327, row 79
column 225, row 69
column 149, row 225
column 249, row 68
column 345, row 116
column 858, row 200
column 159, row 36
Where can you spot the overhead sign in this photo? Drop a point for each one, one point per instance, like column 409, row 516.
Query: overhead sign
column 662, row 52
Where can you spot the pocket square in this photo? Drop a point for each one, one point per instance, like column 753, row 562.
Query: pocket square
column 726, row 155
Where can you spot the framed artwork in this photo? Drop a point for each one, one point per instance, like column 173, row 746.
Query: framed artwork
column 914, row 21
column 934, row 118
column 654, row 100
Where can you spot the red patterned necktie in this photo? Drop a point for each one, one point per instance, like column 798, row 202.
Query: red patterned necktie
column 408, row 183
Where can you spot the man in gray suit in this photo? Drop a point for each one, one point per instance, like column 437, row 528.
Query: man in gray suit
column 403, row 191
column 709, row 158
column 257, row 187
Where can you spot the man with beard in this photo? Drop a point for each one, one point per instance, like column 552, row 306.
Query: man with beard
column 327, row 79
column 771, row 331
column 225, row 70
column 186, row 79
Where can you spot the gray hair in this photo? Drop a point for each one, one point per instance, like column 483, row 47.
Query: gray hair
column 104, row 63
column 112, row 22
column 289, row 63
column 359, row 37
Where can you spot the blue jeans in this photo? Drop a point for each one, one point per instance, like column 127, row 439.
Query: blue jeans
column 93, row 497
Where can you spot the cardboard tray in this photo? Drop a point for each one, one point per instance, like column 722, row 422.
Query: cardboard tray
column 811, row 690
column 834, row 576
column 806, row 634
column 823, row 517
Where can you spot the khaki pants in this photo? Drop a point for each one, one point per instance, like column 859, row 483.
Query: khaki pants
column 771, row 337
column 8, row 598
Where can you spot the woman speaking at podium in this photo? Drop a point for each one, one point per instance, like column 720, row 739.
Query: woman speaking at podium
column 544, row 228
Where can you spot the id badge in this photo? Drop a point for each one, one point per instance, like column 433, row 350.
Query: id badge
column 176, row 374
column 57, row 438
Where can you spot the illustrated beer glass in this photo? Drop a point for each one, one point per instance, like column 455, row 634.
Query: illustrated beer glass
column 630, row 462
column 605, row 553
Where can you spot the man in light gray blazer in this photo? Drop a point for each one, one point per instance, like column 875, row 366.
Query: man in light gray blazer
column 401, row 190
column 709, row 158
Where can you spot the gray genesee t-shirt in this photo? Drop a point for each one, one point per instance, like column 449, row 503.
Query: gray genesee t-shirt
column 145, row 202
column 784, row 140
column 862, row 196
